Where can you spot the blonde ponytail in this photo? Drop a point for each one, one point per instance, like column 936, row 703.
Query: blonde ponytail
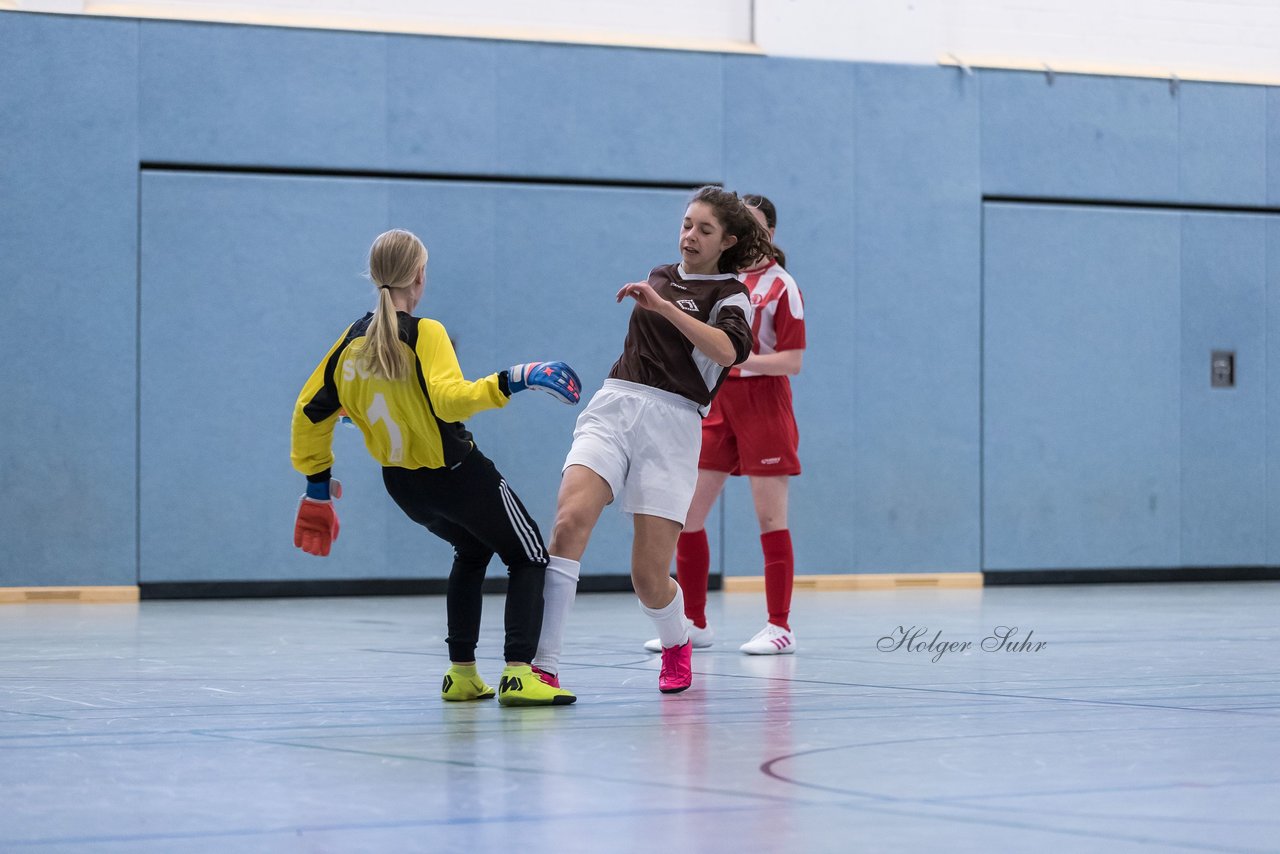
column 395, row 259
column 382, row 354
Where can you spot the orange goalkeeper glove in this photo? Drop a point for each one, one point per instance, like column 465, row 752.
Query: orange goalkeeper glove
column 316, row 527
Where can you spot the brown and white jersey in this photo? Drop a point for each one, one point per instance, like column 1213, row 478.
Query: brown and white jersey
column 657, row 354
column 777, row 323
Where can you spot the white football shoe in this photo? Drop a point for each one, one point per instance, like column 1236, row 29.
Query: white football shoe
column 702, row 638
column 771, row 640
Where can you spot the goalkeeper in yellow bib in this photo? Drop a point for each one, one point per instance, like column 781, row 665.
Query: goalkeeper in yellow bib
column 398, row 379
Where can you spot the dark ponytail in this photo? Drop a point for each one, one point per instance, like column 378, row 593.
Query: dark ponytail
column 766, row 207
column 753, row 238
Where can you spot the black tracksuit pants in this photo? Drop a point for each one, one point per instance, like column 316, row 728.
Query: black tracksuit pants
column 473, row 509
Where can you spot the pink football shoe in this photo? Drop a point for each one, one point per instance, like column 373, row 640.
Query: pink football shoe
column 677, row 668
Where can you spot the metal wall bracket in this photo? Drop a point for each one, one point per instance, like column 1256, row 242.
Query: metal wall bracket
column 1222, row 369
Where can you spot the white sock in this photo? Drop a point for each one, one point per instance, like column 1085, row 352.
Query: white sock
column 558, row 593
column 673, row 630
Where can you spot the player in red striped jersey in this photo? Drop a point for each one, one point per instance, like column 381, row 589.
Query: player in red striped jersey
column 752, row 430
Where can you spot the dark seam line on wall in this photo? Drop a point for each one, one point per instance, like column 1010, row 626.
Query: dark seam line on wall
column 608, row 583
column 1183, row 224
column 1130, row 205
column 153, row 166
column 137, row 392
column 982, row 387
column 1128, row 575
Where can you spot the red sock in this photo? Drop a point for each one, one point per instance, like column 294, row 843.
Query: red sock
column 779, row 575
column 693, row 565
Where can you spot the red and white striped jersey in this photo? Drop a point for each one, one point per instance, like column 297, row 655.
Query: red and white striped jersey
column 777, row 321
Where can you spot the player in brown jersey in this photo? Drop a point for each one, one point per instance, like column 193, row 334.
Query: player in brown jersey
column 752, row 431
column 397, row 378
column 638, row 440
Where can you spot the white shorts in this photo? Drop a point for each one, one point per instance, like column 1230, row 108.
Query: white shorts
column 644, row 442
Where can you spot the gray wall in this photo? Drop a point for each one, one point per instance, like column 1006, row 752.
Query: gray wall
column 1010, row 305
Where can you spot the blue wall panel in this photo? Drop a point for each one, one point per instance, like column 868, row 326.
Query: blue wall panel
column 256, row 96
column 299, row 98
column 793, row 142
column 608, row 113
column 1224, row 431
column 553, row 111
column 442, row 108
column 246, row 283
column 1083, row 137
column 1222, row 144
column 68, row 279
column 1082, row 373
column 514, row 273
column 915, row 342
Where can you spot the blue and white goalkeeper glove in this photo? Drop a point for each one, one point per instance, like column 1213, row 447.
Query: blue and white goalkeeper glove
column 555, row 378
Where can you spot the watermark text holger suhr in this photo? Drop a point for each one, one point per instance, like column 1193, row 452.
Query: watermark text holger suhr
column 917, row 639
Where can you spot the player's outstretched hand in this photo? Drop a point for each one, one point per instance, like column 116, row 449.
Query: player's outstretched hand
column 643, row 293
column 555, row 378
column 316, row 527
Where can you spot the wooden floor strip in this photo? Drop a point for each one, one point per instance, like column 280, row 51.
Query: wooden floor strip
column 26, row 595
column 860, row 581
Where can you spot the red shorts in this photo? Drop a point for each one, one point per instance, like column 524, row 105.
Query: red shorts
column 751, row 429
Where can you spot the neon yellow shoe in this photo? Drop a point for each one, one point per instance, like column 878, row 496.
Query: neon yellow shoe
column 462, row 682
column 520, row 686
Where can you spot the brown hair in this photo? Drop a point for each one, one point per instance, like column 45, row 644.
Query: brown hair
column 733, row 216
column 395, row 259
column 762, row 204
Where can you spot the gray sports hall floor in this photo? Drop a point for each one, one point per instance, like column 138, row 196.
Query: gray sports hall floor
column 1148, row 721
